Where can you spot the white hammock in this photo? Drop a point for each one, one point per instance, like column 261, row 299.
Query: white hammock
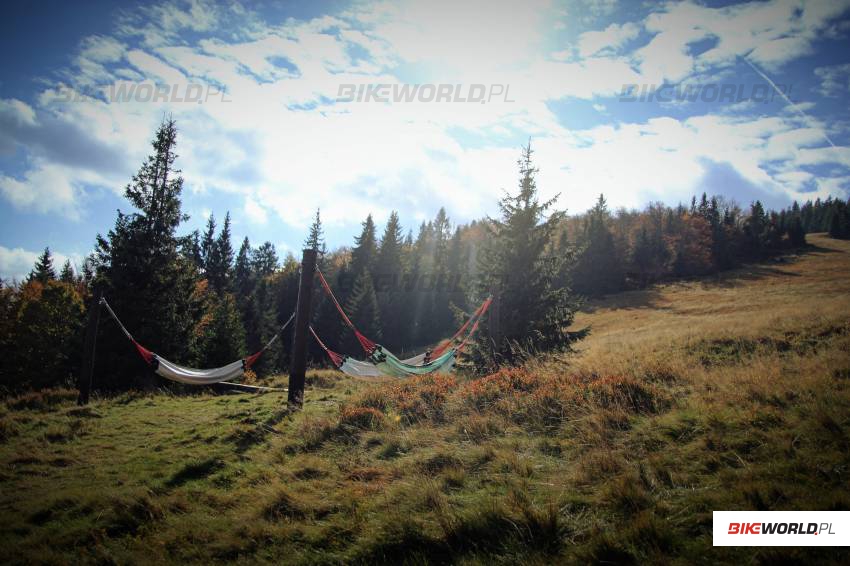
column 192, row 376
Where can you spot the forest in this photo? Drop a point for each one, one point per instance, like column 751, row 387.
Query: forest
column 204, row 299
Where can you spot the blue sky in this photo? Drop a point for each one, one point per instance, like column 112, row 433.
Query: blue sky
column 282, row 141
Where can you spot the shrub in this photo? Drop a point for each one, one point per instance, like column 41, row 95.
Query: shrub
column 360, row 418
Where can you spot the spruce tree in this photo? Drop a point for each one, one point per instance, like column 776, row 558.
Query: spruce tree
column 43, row 270
column 362, row 308
column 223, row 340
column 67, row 273
column 265, row 260
column 220, row 267
column 208, row 249
column 534, row 312
column 190, row 248
column 243, row 273
column 388, row 274
column 316, row 239
column 599, row 270
column 139, row 267
column 365, row 250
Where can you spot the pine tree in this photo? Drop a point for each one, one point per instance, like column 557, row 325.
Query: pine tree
column 316, row 239
column 243, row 272
column 534, row 311
column 388, row 273
column 208, row 249
column 365, row 250
column 220, row 269
column 67, row 273
column 362, row 308
column 190, row 248
column 145, row 278
column 264, row 260
column 43, row 270
column 599, row 269
column 224, row 337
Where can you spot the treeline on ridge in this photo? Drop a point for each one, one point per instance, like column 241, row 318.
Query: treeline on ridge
column 199, row 300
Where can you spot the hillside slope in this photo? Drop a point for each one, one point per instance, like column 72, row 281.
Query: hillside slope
column 726, row 393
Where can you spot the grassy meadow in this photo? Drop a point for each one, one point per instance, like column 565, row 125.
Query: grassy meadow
column 729, row 392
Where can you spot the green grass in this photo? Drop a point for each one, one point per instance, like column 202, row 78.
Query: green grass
column 616, row 455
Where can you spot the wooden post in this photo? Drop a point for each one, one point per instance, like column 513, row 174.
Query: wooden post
column 87, row 369
column 298, row 369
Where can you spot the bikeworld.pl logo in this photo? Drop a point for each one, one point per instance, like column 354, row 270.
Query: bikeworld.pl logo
column 426, row 92
column 147, row 91
column 781, row 528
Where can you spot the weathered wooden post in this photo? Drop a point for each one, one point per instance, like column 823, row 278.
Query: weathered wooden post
column 298, row 369
column 87, row 369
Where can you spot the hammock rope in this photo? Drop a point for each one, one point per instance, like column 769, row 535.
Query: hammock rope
column 367, row 345
column 192, row 376
column 370, row 346
column 384, row 363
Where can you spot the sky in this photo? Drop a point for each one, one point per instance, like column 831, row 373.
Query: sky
column 286, row 107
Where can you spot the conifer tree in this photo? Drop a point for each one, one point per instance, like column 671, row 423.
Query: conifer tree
column 362, row 308
column 224, row 337
column 139, row 267
column 599, row 269
column 388, row 280
column 67, row 273
column 365, row 250
column 208, row 249
column 316, row 239
column 534, row 311
column 190, row 247
column 243, row 273
column 265, row 260
column 43, row 270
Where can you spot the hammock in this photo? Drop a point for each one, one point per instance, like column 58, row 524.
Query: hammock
column 383, row 363
column 410, row 364
column 192, row 376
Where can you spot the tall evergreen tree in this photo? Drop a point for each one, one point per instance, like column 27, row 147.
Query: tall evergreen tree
column 220, row 267
column 534, row 311
column 362, row 308
column 191, row 249
column 599, row 269
column 67, row 273
column 43, row 270
column 388, row 280
column 265, row 260
column 316, row 239
column 147, row 281
column 208, row 248
column 243, row 273
column 365, row 250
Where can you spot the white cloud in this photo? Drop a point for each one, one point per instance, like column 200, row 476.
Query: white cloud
column 283, row 150
column 255, row 212
column 611, row 38
column 47, row 188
